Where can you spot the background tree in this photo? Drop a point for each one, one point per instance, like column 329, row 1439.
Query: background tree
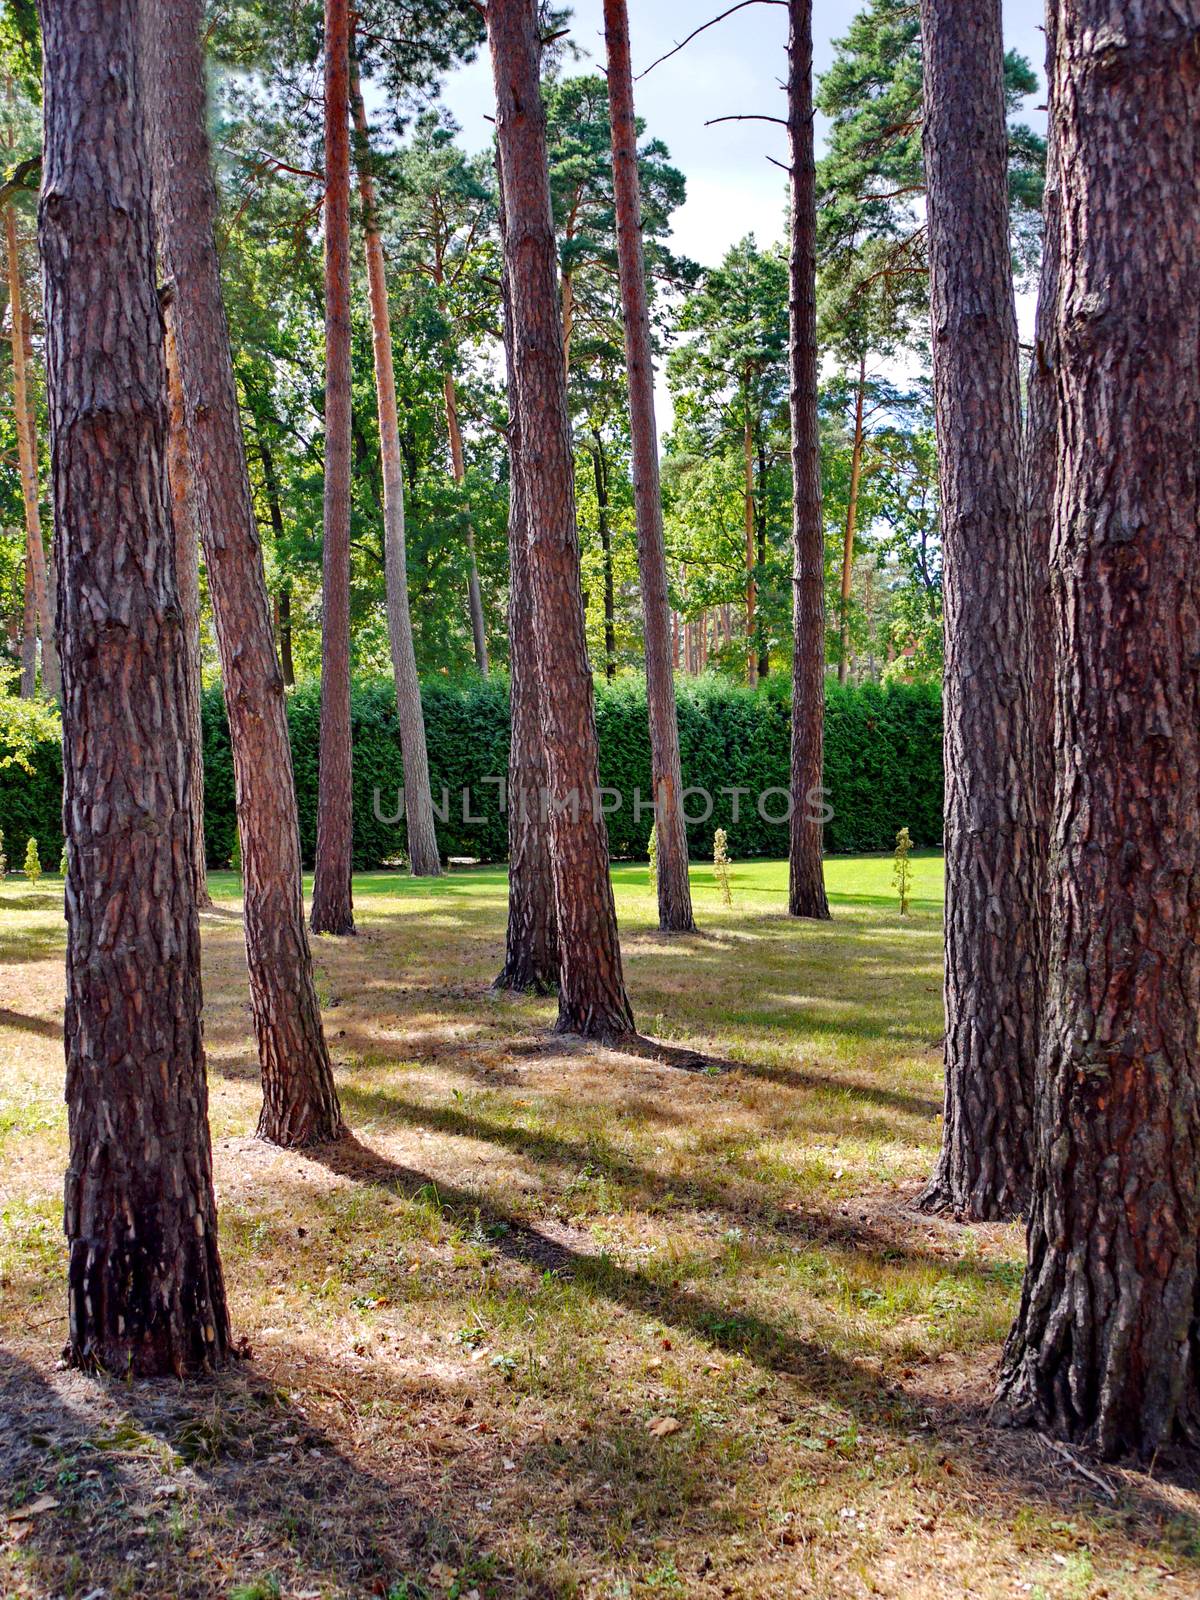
column 992, row 982
column 145, row 1290
column 806, row 874
column 418, row 800
column 1105, row 1344
column 730, row 387
column 674, row 889
column 592, row 998
column 333, row 894
column 300, row 1104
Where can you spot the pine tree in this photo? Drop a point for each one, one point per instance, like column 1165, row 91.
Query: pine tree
column 145, row 1290
column 32, row 865
column 1104, row 1350
column 592, row 998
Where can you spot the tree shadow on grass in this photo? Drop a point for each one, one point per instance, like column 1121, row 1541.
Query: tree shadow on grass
column 157, row 1485
column 887, row 1408
column 44, row 1027
column 862, row 1237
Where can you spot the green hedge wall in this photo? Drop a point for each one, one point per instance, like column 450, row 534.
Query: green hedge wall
column 883, row 768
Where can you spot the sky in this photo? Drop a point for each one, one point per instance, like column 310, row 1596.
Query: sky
column 735, row 67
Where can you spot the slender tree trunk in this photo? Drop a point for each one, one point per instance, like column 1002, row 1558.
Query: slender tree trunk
column 1107, row 1339
column 600, row 475
column 145, row 1290
column 760, row 524
column 458, row 465
column 333, row 892
column 531, row 951
column 283, row 601
column 992, row 980
column 751, row 555
column 286, row 664
column 806, row 870
column 568, row 319
column 187, row 573
column 674, row 888
column 856, row 458
column 592, row 998
column 27, row 458
column 29, row 632
column 1039, row 471
column 423, row 856
column 300, row 1105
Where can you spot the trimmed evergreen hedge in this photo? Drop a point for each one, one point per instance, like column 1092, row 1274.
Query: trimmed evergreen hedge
column 883, row 768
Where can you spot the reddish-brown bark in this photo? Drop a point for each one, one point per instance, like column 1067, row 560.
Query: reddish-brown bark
column 592, row 998
column 674, row 888
column 145, row 1291
column 993, row 979
column 1107, row 1338
column 333, row 896
column 423, row 857
column 300, row 1104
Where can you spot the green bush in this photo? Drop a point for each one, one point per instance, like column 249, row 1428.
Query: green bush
column 883, row 764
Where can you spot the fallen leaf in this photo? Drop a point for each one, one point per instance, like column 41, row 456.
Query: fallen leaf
column 44, row 1502
column 663, row 1427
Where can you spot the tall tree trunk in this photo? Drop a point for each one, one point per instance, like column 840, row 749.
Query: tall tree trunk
column 856, row 458
column 992, row 979
column 592, row 998
column 674, row 888
column 531, row 948
column 600, row 475
column 751, row 553
column 29, row 632
column 424, row 860
column 458, row 466
column 26, row 431
column 1107, row 1339
column 806, row 870
column 145, row 1290
column 187, row 575
column 1039, row 473
column 333, row 893
column 300, row 1105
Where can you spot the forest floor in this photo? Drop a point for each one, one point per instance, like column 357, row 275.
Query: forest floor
column 560, row 1321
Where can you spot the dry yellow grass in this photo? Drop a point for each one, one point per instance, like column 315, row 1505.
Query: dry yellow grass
column 559, row 1321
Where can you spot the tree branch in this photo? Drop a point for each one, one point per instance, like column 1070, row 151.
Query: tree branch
column 741, row 6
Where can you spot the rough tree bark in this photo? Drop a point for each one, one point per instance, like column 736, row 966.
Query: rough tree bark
column 333, row 895
column 856, row 457
column 1039, row 466
column 531, row 946
column 1106, row 1342
column 992, row 979
column 145, row 1291
column 300, row 1105
column 26, row 430
column 187, row 576
column 806, row 869
column 592, row 998
column 674, row 888
column 423, row 857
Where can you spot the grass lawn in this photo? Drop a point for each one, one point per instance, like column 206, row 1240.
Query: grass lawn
column 561, row 1321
